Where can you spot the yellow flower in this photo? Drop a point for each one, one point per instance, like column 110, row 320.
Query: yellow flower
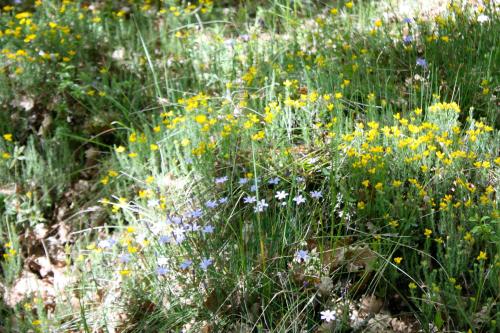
column 378, row 23
column 112, row 173
column 482, row 256
column 120, row 149
column 23, row 15
column 428, row 233
column 361, row 205
column 7, row 137
column 200, row 119
column 412, row 285
column 6, row 155
column 258, row 136
column 338, row 95
column 349, row 4
column 394, row 223
column 154, row 147
column 398, row 260
column 125, row 272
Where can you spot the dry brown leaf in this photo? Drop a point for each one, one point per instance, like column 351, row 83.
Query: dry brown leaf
column 371, row 304
column 325, row 286
column 399, row 325
column 359, row 257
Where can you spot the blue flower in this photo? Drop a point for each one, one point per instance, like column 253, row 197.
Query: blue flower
column 174, row 219
column 208, row 229
column 205, row 263
column 421, row 62
column 196, row 213
column 107, row 243
column 243, row 181
column 221, row 180
column 124, row 258
column 407, row 39
column 301, row 255
column 249, row 199
column 211, row 204
column 407, row 20
column 299, row 199
column 186, row 264
column 316, row 194
column 194, row 227
column 162, row 270
column 223, row 200
column 164, row 239
column 274, row 181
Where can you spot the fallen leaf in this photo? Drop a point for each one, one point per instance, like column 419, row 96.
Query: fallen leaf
column 371, row 304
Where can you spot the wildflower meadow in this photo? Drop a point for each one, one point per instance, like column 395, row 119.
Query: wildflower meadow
column 249, row 166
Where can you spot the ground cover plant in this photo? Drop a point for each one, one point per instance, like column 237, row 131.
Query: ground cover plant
column 249, row 166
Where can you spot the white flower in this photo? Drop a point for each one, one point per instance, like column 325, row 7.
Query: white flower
column 482, row 18
column 261, row 206
column 328, row 316
column 299, row 199
column 153, row 203
column 280, row 195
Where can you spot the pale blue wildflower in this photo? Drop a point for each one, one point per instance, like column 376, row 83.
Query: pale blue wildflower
column 301, row 255
column 407, row 39
column 124, row 258
column 208, row 229
column 274, row 181
column 205, row 263
column 221, row 180
column 196, row 213
column 211, row 204
column 249, row 199
column 299, row 199
column 422, row 62
column 316, row 194
column 164, row 239
column 186, row 264
column 162, row 270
